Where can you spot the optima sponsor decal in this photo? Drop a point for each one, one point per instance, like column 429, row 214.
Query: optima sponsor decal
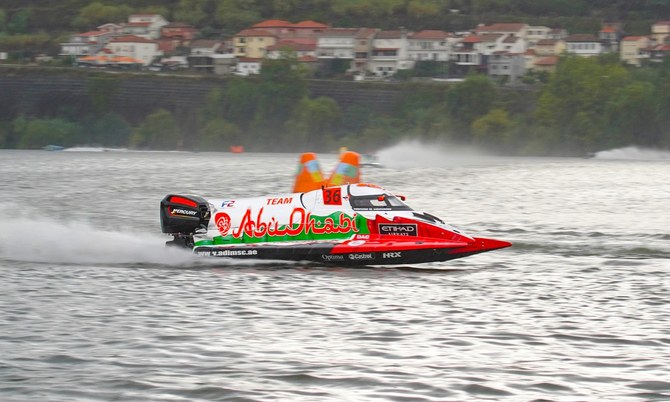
column 362, row 256
column 398, row 229
column 183, row 212
column 332, row 257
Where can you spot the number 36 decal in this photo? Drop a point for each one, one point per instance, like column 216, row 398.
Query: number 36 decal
column 332, row 196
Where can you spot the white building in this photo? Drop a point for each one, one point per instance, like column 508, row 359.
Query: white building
column 301, row 49
column 431, row 45
column 633, row 49
column 248, row 66
column 536, row 33
column 135, row 47
column 145, row 25
column 389, row 53
column 585, row 45
column 336, row 43
column 84, row 44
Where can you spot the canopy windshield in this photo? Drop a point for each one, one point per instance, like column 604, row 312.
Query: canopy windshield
column 381, row 202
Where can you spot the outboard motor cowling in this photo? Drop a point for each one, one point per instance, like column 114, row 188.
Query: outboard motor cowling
column 184, row 215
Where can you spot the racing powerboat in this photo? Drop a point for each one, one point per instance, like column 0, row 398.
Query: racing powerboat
column 346, row 224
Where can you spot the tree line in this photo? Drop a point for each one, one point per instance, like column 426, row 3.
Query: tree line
column 587, row 105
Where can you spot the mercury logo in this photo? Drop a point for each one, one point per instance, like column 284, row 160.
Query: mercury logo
column 179, row 211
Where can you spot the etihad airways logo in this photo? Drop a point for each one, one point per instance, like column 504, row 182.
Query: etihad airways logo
column 398, row 229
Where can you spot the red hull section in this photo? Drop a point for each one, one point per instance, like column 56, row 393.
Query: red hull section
column 363, row 250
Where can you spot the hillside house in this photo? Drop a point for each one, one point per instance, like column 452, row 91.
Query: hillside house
column 307, row 48
column 363, row 42
column 203, row 47
column 146, row 26
column 253, row 43
column 389, row 53
column 633, row 49
column 536, row 33
column 547, row 64
column 506, row 65
column 134, row 47
column 248, row 66
column 84, row 44
column 585, row 45
column 430, row 45
column 660, row 31
column 610, row 36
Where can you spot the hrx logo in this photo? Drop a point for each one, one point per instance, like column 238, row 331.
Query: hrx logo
column 392, row 255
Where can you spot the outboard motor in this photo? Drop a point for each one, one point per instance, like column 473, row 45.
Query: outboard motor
column 183, row 216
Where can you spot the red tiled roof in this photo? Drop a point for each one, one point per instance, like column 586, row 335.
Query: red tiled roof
column 364, row 33
column 351, row 32
column 255, row 32
column 309, row 24
column 131, row 38
column 307, row 59
column 511, row 39
column 547, row 61
column 530, row 52
column 273, row 24
column 501, row 27
column 429, row 34
column 608, row 30
column 249, row 60
column 92, row 33
column 472, row 39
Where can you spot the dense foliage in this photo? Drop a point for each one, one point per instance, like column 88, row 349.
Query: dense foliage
column 589, row 104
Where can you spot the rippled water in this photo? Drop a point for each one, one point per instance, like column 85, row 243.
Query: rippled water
column 94, row 308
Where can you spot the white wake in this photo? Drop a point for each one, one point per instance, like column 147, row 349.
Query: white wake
column 634, row 153
column 412, row 154
column 44, row 240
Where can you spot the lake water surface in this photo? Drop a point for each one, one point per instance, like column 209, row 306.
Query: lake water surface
column 94, row 308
